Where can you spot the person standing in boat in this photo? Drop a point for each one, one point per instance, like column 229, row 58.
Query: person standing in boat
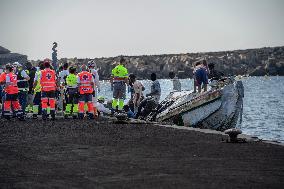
column 214, row 74
column 176, row 82
column 200, row 76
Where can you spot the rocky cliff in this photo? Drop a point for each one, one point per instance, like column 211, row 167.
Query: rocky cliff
column 254, row 62
column 7, row 57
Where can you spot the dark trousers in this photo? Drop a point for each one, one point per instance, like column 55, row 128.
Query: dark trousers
column 23, row 95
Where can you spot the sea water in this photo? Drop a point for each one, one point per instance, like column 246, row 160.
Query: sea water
column 263, row 113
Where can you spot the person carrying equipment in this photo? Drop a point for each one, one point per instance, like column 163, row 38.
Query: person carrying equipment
column 72, row 96
column 119, row 77
column 23, row 85
column 92, row 67
column 86, row 89
column 48, row 87
column 37, row 92
column 11, row 94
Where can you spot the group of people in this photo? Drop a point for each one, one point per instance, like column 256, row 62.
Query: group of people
column 42, row 90
column 43, row 86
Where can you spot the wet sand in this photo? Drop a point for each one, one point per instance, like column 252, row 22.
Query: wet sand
column 88, row 154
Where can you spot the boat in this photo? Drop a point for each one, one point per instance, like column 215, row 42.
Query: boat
column 219, row 108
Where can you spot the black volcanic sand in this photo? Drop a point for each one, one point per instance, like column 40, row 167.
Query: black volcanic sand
column 88, row 154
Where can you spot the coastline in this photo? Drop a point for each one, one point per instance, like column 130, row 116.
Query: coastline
column 88, row 154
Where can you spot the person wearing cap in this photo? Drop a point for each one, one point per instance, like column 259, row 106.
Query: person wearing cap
column 72, row 95
column 37, row 91
column 97, row 88
column 23, row 84
column 119, row 80
column 86, row 88
column 48, row 88
column 11, row 93
column 100, row 106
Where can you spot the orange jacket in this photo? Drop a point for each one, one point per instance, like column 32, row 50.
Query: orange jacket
column 48, row 80
column 86, row 82
column 10, row 79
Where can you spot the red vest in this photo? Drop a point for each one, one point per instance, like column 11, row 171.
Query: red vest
column 11, row 83
column 48, row 80
column 86, row 85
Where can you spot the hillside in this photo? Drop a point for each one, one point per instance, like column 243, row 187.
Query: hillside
column 255, row 62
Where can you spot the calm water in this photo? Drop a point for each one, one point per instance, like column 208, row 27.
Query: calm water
column 263, row 114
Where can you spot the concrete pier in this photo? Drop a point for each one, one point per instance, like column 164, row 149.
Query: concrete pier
column 91, row 154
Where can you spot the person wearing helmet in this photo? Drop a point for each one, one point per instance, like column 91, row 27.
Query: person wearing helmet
column 23, row 84
column 71, row 94
column 11, row 94
column 119, row 80
column 92, row 68
column 48, row 88
column 86, row 89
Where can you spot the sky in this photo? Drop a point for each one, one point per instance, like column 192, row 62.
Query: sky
column 104, row 28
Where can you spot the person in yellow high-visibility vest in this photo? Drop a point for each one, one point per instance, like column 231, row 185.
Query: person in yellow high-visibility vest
column 37, row 92
column 119, row 80
column 72, row 94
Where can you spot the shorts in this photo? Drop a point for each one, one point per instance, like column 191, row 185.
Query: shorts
column 119, row 88
column 48, row 94
column 201, row 77
column 11, row 97
column 86, row 98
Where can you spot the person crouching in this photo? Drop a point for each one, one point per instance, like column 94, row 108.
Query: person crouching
column 86, row 89
column 11, row 94
column 72, row 96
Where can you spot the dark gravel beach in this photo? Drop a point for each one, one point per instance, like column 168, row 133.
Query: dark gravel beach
column 89, row 154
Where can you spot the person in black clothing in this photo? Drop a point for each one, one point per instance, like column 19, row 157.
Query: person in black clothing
column 214, row 74
column 31, row 73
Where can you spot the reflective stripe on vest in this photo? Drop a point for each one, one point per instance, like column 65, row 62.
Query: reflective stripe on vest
column 85, row 85
column 47, row 80
column 11, row 84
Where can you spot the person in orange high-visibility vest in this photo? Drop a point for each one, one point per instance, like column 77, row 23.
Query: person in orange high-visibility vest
column 48, row 88
column 86, row 89
column 11, row 93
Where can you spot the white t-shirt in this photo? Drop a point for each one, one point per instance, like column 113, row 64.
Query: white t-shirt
column 62, row 75
column 96, row 77
column 138, row 87
column 101, row 108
